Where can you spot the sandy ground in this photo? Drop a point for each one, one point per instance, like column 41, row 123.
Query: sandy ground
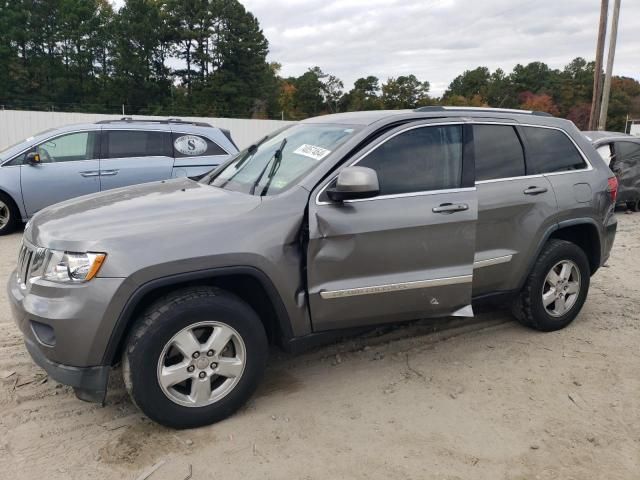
column 490, row 400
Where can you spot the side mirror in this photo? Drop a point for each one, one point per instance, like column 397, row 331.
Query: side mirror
column 353, row 183
column 32, row 158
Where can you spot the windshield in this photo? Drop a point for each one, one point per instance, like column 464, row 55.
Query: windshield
column 7, row 152
column 278, row 161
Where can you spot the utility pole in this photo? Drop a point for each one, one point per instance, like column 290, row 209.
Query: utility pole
column 597, row 72
column 607, row 79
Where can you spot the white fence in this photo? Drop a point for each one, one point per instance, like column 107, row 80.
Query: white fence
column 16, row 125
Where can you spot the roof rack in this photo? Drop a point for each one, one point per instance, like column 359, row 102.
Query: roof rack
column 482, row 109
column 164, row 122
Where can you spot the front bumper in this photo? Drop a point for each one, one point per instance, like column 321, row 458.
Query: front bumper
column 89, row 383
column 64, row 329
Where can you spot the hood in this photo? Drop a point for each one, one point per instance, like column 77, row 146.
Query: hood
column 148, row 211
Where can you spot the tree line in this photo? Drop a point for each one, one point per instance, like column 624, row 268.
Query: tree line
column 209, row 58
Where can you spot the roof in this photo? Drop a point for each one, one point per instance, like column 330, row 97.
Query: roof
column 600, row 135
column 369, row 117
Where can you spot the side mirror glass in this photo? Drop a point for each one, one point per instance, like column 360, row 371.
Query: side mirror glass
column 32, row 158
column 354, row 182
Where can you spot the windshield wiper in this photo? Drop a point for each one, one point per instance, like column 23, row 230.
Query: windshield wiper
column 277, row 157
column 250, row 152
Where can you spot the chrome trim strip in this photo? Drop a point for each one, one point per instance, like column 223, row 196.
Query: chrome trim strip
column 492, row 261
column 506, row 179
column 395, row 287
column 410, row 194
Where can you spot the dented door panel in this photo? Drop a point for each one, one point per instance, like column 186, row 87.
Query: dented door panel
column 389, row 259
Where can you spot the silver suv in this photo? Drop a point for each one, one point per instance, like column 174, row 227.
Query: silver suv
column 76, row 160
column 336, row 223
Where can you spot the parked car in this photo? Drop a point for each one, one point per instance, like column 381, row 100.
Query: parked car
column 76, row 160
column 622, row 153
column 336, row 223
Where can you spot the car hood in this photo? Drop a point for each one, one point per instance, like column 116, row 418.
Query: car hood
column 150, row 211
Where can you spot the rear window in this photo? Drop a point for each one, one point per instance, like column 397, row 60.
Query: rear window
column 550, row 150
column 190, row 145
column 498, row 152
column 137, row 143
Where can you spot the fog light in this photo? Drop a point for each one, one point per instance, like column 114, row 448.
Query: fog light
column 44, row 333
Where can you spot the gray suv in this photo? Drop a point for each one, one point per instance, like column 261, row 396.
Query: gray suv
column 76, row 160
column 331, row 225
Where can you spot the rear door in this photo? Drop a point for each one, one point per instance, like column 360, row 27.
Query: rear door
column 195, row 154
column 516, row 207
column 69, row 168
column 134, row 156
column 407, row 253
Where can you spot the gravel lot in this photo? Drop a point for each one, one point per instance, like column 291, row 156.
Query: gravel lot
column 489, row 400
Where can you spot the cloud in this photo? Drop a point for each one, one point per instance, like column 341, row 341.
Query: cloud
column 437, row 39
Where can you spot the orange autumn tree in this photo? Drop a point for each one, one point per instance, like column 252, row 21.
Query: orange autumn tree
column 540, row 102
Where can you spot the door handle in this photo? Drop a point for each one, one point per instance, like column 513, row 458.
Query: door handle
column 535, row 190
column 90, row 173
column 450, row 208
column 108, row 173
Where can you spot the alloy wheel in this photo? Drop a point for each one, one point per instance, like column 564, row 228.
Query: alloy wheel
column 5, row 214
column 201, row 364
column 561, row 288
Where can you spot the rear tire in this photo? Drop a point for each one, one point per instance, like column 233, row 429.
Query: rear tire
column 187, row 334
column 9, row 215
column 547, row 307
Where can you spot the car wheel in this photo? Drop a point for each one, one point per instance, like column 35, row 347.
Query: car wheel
column 9, row 215
column 634, row 206
column 556, row 288
column 195, row 357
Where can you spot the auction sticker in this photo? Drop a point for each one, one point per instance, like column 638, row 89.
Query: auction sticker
column 311, row 151
column 190, row 145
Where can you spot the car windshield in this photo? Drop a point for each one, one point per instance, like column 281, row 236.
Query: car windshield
column 6, row 152
column 278, row 161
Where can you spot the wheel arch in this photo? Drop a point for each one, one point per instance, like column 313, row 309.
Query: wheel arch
column 248, row 283
column 580, row 231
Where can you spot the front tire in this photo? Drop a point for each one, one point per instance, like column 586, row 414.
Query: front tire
column 9, row 215
column 634, row 205
column 195, row 357
column 556, row 288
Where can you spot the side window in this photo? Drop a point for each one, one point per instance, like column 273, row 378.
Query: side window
column 188, row 145
column 498, row 152
column 550, row 150
column 422, row 159
column 137, row 143
column 627, row 153
column 66, row 148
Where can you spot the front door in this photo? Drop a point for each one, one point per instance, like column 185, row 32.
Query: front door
column 130, row 157
column 406, row 253
column 68, row 168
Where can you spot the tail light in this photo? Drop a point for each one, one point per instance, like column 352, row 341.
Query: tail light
column 613, row 188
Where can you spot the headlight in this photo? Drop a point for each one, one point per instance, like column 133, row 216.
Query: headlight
column 72, row 267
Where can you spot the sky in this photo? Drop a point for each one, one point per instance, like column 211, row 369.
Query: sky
column 437, row 40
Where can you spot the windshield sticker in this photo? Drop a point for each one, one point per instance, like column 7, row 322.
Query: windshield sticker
column 190, row 145
column 311, row 151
